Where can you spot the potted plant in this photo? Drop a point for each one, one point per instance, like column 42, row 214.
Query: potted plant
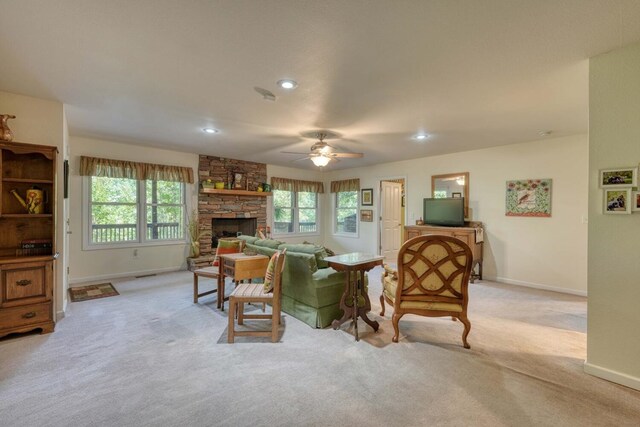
column 195, row 234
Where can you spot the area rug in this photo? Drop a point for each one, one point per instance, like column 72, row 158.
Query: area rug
column 84, row 293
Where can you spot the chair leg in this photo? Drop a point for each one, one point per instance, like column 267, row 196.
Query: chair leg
column 232, row 314
column 467, row 328
column 274, row 326
column 395, row 319
column 195, row 288
column 240, row 313
column 382, row 305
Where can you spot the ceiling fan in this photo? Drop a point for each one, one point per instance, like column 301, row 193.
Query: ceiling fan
column 322, row 153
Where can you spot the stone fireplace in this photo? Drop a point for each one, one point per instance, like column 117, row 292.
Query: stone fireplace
column 236, row 211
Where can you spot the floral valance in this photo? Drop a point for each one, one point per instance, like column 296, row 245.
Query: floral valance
column 345, row 185
column 94, row 166
column 286, row 184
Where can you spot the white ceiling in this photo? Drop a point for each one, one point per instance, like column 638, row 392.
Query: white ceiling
column 473, row 73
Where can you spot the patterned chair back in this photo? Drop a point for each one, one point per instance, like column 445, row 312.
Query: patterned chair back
column 434, row 268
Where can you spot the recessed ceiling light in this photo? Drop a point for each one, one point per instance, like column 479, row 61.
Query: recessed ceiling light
column 421, row 136
column 287, row 84
column 210, row 130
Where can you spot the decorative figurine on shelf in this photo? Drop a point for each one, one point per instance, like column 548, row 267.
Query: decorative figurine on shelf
column 419, row 221
column 34, row 197
column 266, row 187
column 5, row 132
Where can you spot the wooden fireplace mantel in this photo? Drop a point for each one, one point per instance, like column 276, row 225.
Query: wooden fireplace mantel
column 236, row 192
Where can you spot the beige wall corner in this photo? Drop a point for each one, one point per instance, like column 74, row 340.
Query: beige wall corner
column 613, row 342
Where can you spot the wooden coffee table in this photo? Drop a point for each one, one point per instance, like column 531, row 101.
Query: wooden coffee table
column 239, row 267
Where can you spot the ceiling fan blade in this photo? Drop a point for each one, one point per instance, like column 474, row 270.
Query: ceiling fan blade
column 293, row 152
column 303, row 158
column 348, row 155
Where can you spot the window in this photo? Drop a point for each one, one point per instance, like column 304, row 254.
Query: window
column 346, row 212
column 295, row 213
column 127, row 211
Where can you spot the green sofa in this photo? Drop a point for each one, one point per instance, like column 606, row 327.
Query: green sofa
column 311, row 290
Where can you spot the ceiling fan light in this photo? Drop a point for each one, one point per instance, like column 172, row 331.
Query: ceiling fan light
column 321, row 160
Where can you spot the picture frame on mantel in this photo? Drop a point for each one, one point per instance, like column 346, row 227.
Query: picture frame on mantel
column 237, row 180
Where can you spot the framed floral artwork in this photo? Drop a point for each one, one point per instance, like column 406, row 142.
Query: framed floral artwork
column 528, row 197
column 617, row 201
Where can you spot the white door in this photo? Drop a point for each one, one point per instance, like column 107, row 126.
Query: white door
column 390, row 221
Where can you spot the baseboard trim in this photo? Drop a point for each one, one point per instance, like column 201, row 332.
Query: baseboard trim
column 79, row 280
column 613, row 376
column 537, row 286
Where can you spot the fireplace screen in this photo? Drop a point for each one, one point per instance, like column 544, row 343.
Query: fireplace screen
column 231, row 227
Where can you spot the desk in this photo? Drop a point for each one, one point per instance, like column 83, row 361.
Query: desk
column 239, row 267
column 357, row 263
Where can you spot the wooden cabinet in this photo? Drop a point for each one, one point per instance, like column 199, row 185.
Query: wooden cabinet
column 27, row 240
column 472, row 234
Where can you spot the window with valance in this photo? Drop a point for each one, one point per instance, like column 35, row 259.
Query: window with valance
column 346, row 206
column 133, row 203
column 295, row 206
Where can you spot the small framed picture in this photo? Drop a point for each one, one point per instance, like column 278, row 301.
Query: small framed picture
column 367, row 197
column 366, row 215
column 635, row 201
column 619, row 178
column 617, row 201
column 456, row 195
column 237, row 180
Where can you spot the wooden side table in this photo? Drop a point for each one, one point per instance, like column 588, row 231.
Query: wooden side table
column 358, row 263
column 239, row 267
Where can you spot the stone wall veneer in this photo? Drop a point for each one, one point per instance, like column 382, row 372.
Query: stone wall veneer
column 228, row 206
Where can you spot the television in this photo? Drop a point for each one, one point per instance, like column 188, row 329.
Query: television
column 447, row 211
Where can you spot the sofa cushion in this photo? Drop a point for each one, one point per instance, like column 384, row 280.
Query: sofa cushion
column 389, row 286
column 268, row 243
column 308, row 248
column 247, row 239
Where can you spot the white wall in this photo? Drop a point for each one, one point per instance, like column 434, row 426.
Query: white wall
column 86, row 265
column 306, row 175
column 42, row 122
column 549, row 253
column 613, row 342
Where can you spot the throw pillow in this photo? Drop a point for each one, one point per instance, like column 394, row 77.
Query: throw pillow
column 268, row 276
column 391, row 272
column 226, row 247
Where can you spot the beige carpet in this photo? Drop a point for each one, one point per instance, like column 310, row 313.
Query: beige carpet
column 152, row 357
